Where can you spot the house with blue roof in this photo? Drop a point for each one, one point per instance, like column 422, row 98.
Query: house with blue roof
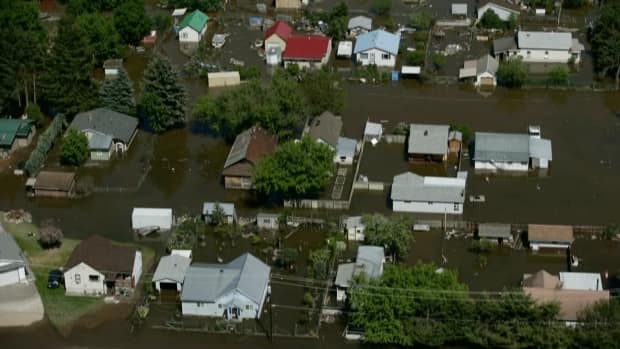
column 233, row 291
column 377, row 47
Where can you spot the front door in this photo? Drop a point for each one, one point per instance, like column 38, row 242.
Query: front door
column 371, row 58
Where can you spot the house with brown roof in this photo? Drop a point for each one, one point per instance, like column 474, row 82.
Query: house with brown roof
column 549, row 236
column 98, row 266
column 249, row 147
column 52, row 184
column 573, row 291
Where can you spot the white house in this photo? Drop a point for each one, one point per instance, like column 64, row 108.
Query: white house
column 193, row 27
column 170, row 272
column 345, row 151
column 414, row 193
column 369, row 261
column 354, row 228
column 230, row 215
column 98, row 267
column 377, row 47
column 373, row 131
column 482, row 70
column 268, row 220
column 547, row 47
column 275, row 41
column 143, row 217
column 359, row 25
column 511, row 152
column 12, row 261
column 502, row 8
column 233, row 291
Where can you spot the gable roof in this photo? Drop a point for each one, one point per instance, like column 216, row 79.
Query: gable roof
column 572, row 302
column 501, row 147
column 208, row 207
column 281, row 29
column 409, row 186
column 11, row 128
column 306, row 47
column 346, row 147
column 369, row 261
column 540, row 148
column 106, row 121
column 98, row 140
column 494, row 230
column 550, row 233
column 172, row 267
column 487, row 64
column 500, row 3
column 360, row 22
column 251, row 145
column 379, row 39
column 428, row 139
column 104, row 256
column 326, row 127
column 9, row 250
column 542, row 279
column 544, row 40
column 246, row 275
column 504, row 44
column 51, row 180
column 195, row 20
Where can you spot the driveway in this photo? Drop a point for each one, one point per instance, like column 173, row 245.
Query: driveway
column 20, row 305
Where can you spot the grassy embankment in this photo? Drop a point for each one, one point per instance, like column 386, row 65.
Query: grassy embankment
column 61, row 310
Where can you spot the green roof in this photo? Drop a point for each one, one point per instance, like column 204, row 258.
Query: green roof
column 195, row 20
column 10, row 128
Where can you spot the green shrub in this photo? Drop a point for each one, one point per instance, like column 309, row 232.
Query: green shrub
column 381, row 7
column 558, row 76
column 512, row 73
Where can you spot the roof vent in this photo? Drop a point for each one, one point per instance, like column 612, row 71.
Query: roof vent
column 221, row 270
column 426, row 132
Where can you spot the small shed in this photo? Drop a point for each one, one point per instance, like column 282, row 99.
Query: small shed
column 345, row 49
column 143, row 217
column 410, row 70
column 256, row 22
column 268, row 220
column 373, row 131
column 229, row 211
column 354, row 228
column 345, row 151
column 494, row 231
column 54, row 184
column 549, row 236
column 170, row 273
column 459, row 10
column 112, row 66
column 455, row 142
column 223, row 79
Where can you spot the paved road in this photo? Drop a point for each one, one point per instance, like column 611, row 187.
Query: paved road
column 20, row 305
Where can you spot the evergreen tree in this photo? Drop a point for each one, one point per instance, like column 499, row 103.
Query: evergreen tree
column 161, row 88
column 117, row 93
column 67, row 83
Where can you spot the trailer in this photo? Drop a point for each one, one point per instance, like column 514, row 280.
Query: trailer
column 143, row 218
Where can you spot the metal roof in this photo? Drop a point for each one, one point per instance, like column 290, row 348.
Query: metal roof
column 502, row 147
column 172, row 267
column 494, row 230
column 98, row 140
column 545, row 40
column 428, row 139
column 326, row 127
column 346, row 147
column 369, row 261
column 459, row 9
column 455, row 135
column 373, row 129
column 412, row 187
column 246, row 275
column 106, row 121
column 379, row 39
column 354, row 221
column 581, row 281
column 504, row 44
column 251, row 144
column 208, row 207
column 540, row 148
column 360, row 22
column 196, row 20
column 344, row 274
column 345, row 48
column 11, row 128
column 487, row 64
column 10, row 252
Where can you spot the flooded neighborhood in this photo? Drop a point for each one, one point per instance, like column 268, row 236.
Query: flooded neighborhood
column 323, row 174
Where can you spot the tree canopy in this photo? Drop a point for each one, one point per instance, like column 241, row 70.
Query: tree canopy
column 294, row 170
column 323, row 91
column 74, row 148
column 103, row 40
column 606, row 40
column 117, row 93
column 203, row 5
column 131, row 21
column 392, row 234
column 512, row 73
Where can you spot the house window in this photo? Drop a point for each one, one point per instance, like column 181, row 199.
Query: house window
column 248, row 307
column 456, row 207
column 219, row 306
column 385, row 56
column 529, row 53
column 407, row 201
column 93, row 277
column 199, row 304
column 266, row 221
column 363, row 55
column 78, row 279
column 184, row 35
column 546, row 54
column 430, row 202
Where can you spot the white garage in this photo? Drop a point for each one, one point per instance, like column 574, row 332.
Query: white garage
column 12, row 261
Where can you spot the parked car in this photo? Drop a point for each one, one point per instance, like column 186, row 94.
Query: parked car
column 55, row 278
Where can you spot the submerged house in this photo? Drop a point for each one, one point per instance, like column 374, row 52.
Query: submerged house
column 97, row 267
column 108, row 132
column 428, row 142
column 540, row 47
column 483, row 71
column 414, row 193
column 12, row 261
column 307, row 51
column 359, row 25
column 233, row 291
column 369, row 261
column 52, row 184
column 511, row 151
column 228, row 209
column 193, row 27
column 549, row 236
column 275, row 41
column 326, row 129
column 502, row 8
column 345, row 151
column 377, row 47
column 249, row 147
column 170, row 272
column 15, row 134
column 495, row 231
column 354, row 228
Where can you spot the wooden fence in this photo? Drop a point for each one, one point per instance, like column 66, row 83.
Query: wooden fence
column 361, row 185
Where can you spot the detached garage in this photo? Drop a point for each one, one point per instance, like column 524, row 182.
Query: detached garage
column 143, row 217
column 170, row 273
column 223, row 79
column 12, row 262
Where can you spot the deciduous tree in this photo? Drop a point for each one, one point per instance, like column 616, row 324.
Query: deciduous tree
column 50, row 235
column 131, row 21
column 606, row 40
column 74, row 148
column 512, row 73
column 323, row 90
column 392, row 234
column 103, row 40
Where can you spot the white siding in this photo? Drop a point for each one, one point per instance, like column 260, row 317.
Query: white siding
column 137, row 268
column 343, row 160
column 499, row 165
column 77, row 281
column 483, row 76
column 544, row 56
column 188, row 34
column 540, row 163
column 503, row 14
column 374, row 56
column 248, row 309
column 101, row 155
column 13, row 276
column 355, row 233
column 427, row 207
column 275, row 40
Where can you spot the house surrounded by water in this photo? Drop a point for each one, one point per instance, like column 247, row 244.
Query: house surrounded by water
column 415, row 193
column 249, row 147
column 428, row 142
column 377, row 47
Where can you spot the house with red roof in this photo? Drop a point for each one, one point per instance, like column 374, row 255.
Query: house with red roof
column 275, row 41
column 307, row 51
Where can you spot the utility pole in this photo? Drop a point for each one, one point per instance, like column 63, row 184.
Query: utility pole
column 270, row 321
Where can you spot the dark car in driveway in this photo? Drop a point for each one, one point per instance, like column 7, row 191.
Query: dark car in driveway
column 55, row 278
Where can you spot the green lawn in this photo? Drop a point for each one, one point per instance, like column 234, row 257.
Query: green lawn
column 61, row 310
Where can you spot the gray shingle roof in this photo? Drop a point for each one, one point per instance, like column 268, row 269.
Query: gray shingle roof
column 502, row 147
column 503, row 45
column 119, row 126
column 545, row 40
column 10, row 252
column 346, row 147
column 494, row 230
column 428, row 139
column 207, row 282
column 326, row 127
column 459, row 9
column 488, row 64
column 411, row 187
column 369, row 261
column 540, row 148
column 208, row 207
column 172, row 267
column 98, row 140
column 360, row 22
